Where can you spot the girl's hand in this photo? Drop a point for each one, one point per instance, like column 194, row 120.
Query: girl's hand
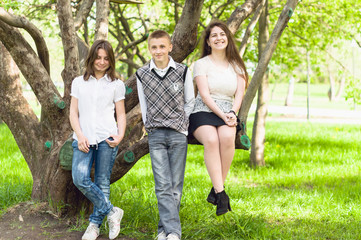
column 231, row 119
column 115, row 142
column 83, row 144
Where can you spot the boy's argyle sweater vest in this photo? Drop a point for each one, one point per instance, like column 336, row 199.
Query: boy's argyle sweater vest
column 164, row 98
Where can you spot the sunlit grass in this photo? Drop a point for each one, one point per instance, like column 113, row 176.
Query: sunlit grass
column 15, row 177
column 309, row 188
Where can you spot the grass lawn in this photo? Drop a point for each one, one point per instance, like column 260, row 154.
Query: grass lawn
column 309, row 188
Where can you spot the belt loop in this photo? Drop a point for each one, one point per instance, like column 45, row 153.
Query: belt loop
column 96, row 148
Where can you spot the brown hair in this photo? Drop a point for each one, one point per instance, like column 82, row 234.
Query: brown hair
column 92, row 56
column 232, row 54
column 159, row 34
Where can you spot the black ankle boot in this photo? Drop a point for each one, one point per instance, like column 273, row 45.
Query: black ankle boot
column 212, row 197
column 222, row 203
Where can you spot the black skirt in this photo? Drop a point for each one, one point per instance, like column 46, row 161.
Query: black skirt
column 203, row 118
column 206, row 118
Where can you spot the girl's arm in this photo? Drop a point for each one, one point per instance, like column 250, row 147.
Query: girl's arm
column 83, row 143
column 238, row 97
column 202, row 85
column 121, row 122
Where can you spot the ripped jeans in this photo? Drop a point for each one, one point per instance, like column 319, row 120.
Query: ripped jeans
column 98, row 191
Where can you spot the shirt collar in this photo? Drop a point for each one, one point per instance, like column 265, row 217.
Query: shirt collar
column 105, row 77
column 171, row 63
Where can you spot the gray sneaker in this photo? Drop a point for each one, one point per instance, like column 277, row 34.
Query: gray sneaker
column 91, row 233
column 114, row 222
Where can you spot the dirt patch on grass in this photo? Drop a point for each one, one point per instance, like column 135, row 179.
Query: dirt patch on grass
column 34, row 221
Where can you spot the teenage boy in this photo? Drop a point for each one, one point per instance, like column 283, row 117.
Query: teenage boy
column 166, row 97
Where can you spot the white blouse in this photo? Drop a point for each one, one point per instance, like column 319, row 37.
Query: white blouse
column 96, row 106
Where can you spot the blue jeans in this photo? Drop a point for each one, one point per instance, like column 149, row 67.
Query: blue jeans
column 98, row 191
column 168, row 152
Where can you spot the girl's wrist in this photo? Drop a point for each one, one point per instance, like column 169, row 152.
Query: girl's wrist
column 231, row 111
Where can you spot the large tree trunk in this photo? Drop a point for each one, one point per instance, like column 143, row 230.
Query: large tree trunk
column 259, row 125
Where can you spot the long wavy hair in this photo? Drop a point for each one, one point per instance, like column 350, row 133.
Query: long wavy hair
column 232, row 54
column 92, row 56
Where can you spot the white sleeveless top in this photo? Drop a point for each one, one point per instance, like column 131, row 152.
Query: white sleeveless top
column 222, row 84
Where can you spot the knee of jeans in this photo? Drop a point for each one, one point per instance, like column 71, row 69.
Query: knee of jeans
column 104, row 185
column 80, row 182
column 163, row 188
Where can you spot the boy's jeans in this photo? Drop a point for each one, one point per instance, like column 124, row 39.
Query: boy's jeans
column 168, row 152
column 98, row 191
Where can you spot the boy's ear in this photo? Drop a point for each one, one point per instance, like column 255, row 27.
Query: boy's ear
column 170, row 47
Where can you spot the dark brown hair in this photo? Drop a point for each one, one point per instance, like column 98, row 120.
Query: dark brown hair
column 92, row 56
column 159, row 34
column 232, row 54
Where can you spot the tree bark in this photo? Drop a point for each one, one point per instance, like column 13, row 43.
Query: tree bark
column 184, row 37
column 241, row 13
column 83, row 13
column 69, row 40
column 102, row 22
column 33, row 70
column 259, row 125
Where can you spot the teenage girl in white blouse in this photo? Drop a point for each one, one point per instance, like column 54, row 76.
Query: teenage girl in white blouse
column 96, row 96
column 221, row 79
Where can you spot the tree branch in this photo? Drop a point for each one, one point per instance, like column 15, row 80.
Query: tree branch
column 241, row 13
column 83, row 13
column 128, row 61
column 22, row 22
column 185, row 32
column 250, row 28
column 69, row 39
column 32, row 69
column 102, row 22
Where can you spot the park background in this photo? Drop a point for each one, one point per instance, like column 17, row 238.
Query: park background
column 309, row 186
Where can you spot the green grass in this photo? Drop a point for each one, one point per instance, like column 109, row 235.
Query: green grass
column 309, row 188
column 15, row 177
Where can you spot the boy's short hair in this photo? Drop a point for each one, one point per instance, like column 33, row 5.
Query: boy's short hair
column 159, row 34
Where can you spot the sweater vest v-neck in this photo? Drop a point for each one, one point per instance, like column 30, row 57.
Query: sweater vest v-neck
column 164, row 97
